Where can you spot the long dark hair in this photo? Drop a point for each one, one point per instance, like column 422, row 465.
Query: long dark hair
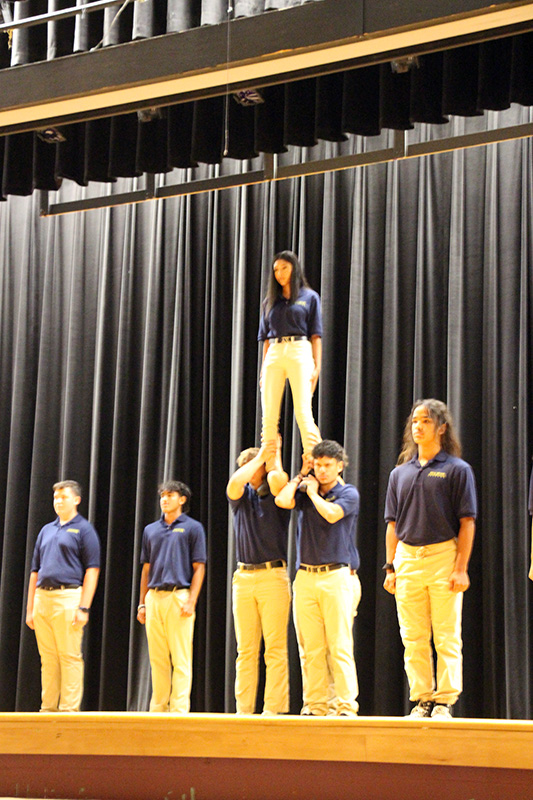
column 298, row 279
column 440, row 414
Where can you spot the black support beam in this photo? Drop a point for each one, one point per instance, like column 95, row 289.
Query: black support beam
column 312, row 39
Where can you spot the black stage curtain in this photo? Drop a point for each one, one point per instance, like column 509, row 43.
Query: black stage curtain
column 129, row 354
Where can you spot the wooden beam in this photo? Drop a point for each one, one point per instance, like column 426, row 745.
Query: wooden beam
column 270, row 48
column 458, row 742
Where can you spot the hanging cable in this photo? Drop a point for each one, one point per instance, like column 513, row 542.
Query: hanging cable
column 229, row 12
column 115, row 18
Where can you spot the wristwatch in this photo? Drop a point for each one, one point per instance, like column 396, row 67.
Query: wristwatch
column 388, row 567
column 83, row 608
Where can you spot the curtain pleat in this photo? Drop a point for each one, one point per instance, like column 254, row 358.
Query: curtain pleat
column 460, row 93
column 241, row 131
column 522, row 70
column 329, row 108
column 208, row 129
column 269, row 121
column 182, row 16
column 180, row 134
column 214, row 11
column 149, row 19
column 123, row 146
column 60, row 34
column 44, row 165
column 495, row 61
column 394, row 99
column 300, row 113
column 426, row 90
column 128, row 354
column 88, row 29
column 97, row 155
column 28, row 44
column 118, row 25
column 152, row 149
column 18, row 164
column 360, row 102
column 248, row 8
column 464, row 81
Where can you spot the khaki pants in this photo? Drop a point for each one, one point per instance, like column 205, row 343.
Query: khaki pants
column 292, row 360
column 261, row 603
column 59, row 645
column 323, row 607
column 332, row 697
column 428, row 608
column 170, row 637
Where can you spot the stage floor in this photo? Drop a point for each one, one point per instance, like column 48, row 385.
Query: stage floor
column 225, row 757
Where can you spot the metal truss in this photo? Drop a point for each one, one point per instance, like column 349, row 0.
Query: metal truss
column 271, row 171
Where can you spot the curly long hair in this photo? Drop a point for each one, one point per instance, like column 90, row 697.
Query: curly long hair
column 439, row 413
column 298, row 279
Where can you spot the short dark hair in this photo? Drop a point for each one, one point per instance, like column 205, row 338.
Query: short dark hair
column 176, row 486
column 330, row 449
column 73, row 485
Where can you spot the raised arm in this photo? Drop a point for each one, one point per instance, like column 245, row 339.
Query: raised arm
column 239, row 479
column 331, row 512
column 285, row 498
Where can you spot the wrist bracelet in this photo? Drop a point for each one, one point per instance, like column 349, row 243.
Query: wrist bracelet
column 83, row 608
column 142, row 605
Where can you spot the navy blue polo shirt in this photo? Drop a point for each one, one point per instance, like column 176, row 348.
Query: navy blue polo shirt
column 323, row 542
column 427, row 503
column 261, row 527
column 530, row 505
column 63, row 553
column 171, row 551
column 301, row 318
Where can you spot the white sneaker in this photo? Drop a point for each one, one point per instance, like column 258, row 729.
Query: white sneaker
column 422, row 709
column 441, row 711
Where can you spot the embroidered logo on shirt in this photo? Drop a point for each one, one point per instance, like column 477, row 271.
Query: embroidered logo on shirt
column 434, row 474
column 178, row 530
column 73, row 530
column 301, row 303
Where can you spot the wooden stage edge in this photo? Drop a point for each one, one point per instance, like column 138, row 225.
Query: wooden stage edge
column 224, row 756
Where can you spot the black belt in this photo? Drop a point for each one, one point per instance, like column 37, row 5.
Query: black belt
column 321, row 567
column 168, row 587
column 263, row 565
column 63, row 586
column 278, row 339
